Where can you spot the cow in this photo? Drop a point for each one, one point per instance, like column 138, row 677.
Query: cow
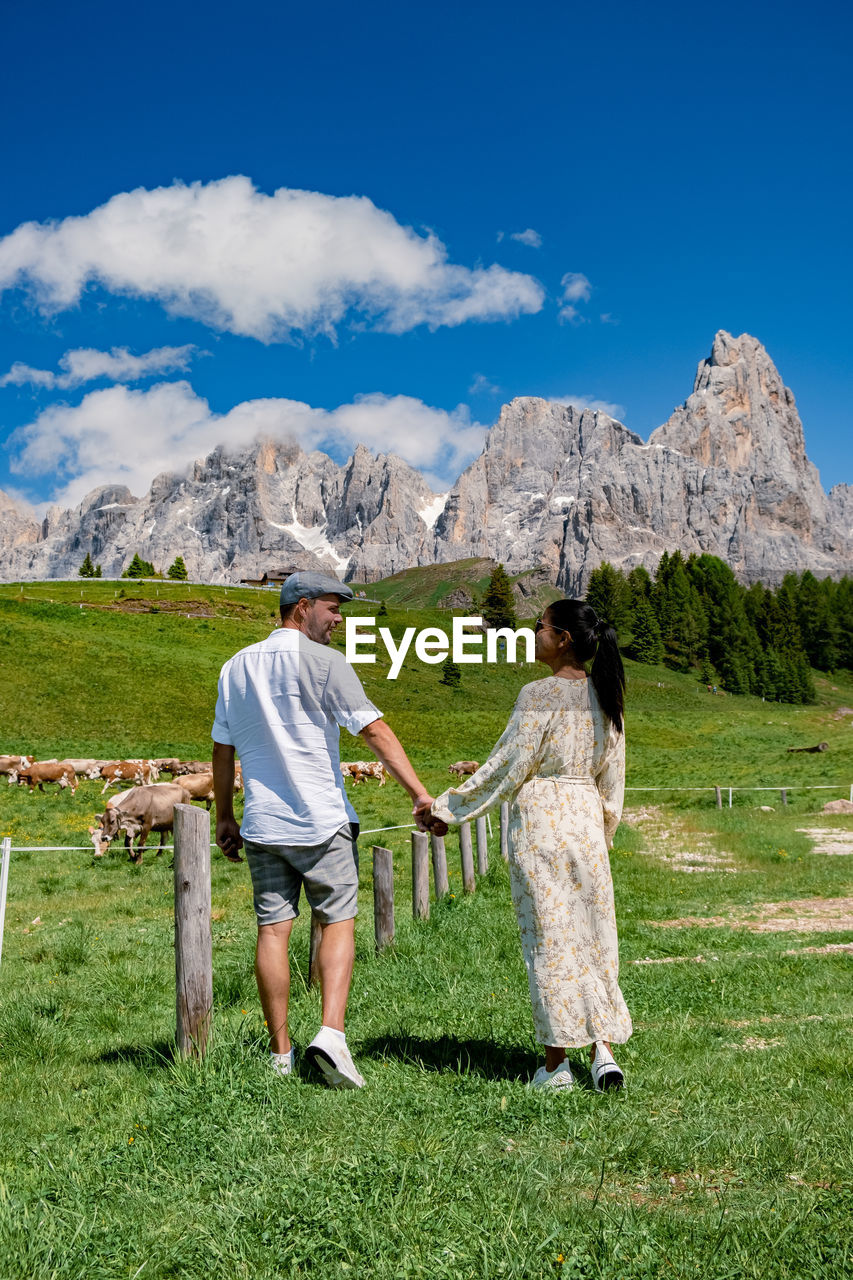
column 40, row 772
column 351, row 770
column 142, row 772
column 199, row 786
column 10, row 765
column 85, row 768
column 166, row 764
column 358, row 770
column 191, row 766
column 373, row 769
column 463, row 767
column 137, row 813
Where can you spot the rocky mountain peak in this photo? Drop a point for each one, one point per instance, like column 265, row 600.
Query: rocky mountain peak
column 557, row 486
column 741, row 415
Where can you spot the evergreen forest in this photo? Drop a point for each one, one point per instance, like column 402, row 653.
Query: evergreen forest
column 694, row 615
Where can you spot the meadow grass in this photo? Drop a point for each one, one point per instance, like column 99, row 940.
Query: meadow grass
column 727, row 1156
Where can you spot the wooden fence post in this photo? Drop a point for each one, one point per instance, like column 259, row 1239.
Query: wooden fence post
column 5, row 859
column 439, row 866
column 505, row 831
column 719, row 795
column 314, row 947
column 420, row 875
column 784, row 795
column 482, row 847
column 383, row 896
column 469, row 884
column 193, row 944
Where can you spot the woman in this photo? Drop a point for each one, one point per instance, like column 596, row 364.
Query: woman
column 561, row 762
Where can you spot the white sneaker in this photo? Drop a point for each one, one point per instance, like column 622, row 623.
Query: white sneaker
column 560, row 1078
column 282, row 1063
column 606, row 1074
column 328, row 1052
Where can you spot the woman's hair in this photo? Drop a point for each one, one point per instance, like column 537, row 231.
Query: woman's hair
column 593, row 638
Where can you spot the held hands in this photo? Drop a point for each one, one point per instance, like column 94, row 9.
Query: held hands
column 229, row 839
column 424, row 817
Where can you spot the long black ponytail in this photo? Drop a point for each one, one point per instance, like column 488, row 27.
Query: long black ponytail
column 593, row 638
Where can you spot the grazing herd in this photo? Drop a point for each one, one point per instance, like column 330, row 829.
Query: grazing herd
column 149, row 805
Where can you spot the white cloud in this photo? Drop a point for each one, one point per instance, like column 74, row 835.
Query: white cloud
column 528, row 237
column 269, row 267
column 21, row 375
column 84, row 364
column 589, row 402
column 481, row 386
column 576, row 288
column 124, row 436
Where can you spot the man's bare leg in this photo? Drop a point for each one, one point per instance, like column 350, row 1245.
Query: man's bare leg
column 272, row 971
column 334, row 964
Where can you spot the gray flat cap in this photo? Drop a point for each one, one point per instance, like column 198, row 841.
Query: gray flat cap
column 309, row 585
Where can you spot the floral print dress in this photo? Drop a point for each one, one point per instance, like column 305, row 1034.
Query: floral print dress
column 561, row 764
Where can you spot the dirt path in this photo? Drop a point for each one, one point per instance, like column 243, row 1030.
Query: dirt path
column 801, row 915
column 671, row 841
column 836, row 842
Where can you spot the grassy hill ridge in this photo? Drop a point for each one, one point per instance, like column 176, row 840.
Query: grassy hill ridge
column 87, row 671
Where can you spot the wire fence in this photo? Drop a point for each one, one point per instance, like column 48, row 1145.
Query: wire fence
column 716, row 791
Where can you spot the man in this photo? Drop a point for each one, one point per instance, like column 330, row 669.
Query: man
column 279, row 706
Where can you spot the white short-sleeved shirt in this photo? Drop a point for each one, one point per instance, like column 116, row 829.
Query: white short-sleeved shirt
column 280, row 704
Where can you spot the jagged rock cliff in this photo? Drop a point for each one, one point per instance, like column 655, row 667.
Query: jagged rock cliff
column 238, row 515
column 555, row 487
column 727, row 473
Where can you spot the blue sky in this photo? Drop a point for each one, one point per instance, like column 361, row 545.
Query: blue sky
column 675, row 172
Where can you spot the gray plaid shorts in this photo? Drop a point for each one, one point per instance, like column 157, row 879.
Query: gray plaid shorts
column 329, row 872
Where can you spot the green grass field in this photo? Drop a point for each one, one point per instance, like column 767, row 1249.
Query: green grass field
column 727, row 1156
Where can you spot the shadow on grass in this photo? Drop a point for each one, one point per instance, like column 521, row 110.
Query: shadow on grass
column 163, row 1053
column 466, row 1057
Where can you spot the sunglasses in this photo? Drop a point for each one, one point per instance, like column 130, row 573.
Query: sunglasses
column 539, row 625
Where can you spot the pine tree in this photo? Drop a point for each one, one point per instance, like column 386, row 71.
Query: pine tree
column 451, row 675
column 498, row 606
column 680, row 612
column 646, row 645
column 87, row 569
column 639, row 584
column 843, row 611
column 177, row 570
column 817, row 624
column 610, row 597
column 771, row 678
column 97, row 573
column 139, row 568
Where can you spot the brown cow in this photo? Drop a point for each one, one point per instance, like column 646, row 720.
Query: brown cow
column 185, row 767
column 463, row 767
column 138, row 812
column 166, row 764
column 199, row 786
column 358, row 770
column 11, row 765
column 142, row 772
column 372, row 769
column 37, row 774
column 351, row 770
